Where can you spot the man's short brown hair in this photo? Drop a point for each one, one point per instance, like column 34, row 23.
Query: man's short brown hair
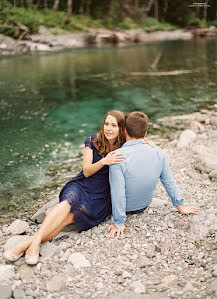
column 137, row 124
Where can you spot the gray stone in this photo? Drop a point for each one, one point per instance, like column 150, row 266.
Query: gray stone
column 203, row 224
column 214, row 273
column 213, row 173
column 196, row 127
column 144, row 262
column 5, row 292
column 193, row 174
column 126, row 274
column 186, row 138
column 26, row 271
column 78, row 260
column 56, row 284
column 19, row 294
column 170, row 280
column 18, row 227
column 137, row 287
column 206, row 163
column 13, row 241
column 48, row 249
column 41, row 213
column 213, row 287
column 6, row 272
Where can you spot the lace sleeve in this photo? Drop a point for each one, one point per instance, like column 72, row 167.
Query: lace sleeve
column 89, row 141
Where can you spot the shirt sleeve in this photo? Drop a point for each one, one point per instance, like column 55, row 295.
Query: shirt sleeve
column 170, row 185
column 118, row 196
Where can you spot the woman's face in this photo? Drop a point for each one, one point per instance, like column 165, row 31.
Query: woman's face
column 111, row 129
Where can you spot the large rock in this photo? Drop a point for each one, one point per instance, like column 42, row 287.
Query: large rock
column 6, row 272
column 19, row 294
column 48, row 249
column 137, row 287
column 41, row 213
column 26, row 271
column 206, row 163
column 203, row 224
column 56, row 284
column 5, row 292
column 13, row 241
column 186, row 138
column 213, row 174
column 170, row 280
column 79, row 260
column 18, row 227
column 213, row 287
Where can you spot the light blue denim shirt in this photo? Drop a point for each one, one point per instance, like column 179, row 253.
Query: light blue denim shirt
column 133, row 181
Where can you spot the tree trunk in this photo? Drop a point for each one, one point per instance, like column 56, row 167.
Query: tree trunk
column 45, row 4
column 56, row 4
column 148, row 7
column 156, row 9
column 88, row 8
column 205, row 11
column 38, row 3
column 30, row 3
column 69, row 7
column 15, row 3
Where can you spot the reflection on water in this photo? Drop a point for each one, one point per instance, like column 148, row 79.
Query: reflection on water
column 49, row 103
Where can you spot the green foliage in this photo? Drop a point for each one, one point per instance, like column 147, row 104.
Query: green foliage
column 158, row 26
column 212, row 23
column 197, row 22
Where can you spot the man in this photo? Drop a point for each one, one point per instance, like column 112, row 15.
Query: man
column 133, row 181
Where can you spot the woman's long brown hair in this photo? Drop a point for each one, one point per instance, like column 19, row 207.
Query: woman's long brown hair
column 101, row 143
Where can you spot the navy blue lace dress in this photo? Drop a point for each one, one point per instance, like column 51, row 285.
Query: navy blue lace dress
column 89, row 198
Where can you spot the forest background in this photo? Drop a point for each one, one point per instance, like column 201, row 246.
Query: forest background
column 19, row 17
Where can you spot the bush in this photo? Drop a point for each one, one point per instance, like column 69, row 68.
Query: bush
column 197, row 22
column 158, row 26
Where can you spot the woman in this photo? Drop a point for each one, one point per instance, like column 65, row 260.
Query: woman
column 85, row 200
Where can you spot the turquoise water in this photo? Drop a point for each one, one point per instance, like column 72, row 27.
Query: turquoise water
column 50, row 102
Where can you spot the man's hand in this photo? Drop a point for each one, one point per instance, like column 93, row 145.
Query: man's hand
column 187, row 210
column 113, row 230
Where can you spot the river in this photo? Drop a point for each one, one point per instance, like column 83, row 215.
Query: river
column 50, row 103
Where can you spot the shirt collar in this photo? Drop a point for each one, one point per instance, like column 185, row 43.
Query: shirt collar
column 133, row 142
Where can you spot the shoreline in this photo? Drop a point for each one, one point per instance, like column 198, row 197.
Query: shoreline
column 44, row 41
column 163, row 254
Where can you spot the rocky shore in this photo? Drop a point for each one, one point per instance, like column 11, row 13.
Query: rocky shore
column 45, row 41
column 163, row 254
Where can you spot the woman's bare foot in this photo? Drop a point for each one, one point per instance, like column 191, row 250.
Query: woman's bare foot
column 32, row 254
column 17, row 251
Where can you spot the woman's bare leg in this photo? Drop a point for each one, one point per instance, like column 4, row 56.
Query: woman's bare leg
column 53, row 223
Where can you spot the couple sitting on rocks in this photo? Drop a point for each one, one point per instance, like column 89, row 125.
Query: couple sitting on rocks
column 120, row 173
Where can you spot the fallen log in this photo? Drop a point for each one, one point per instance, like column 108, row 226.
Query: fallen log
column 171, row 73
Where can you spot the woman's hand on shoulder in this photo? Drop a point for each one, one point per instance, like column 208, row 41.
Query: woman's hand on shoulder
column 112, row 158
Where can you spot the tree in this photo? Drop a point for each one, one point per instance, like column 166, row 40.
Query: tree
column 69, row 6
column 56, row 4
